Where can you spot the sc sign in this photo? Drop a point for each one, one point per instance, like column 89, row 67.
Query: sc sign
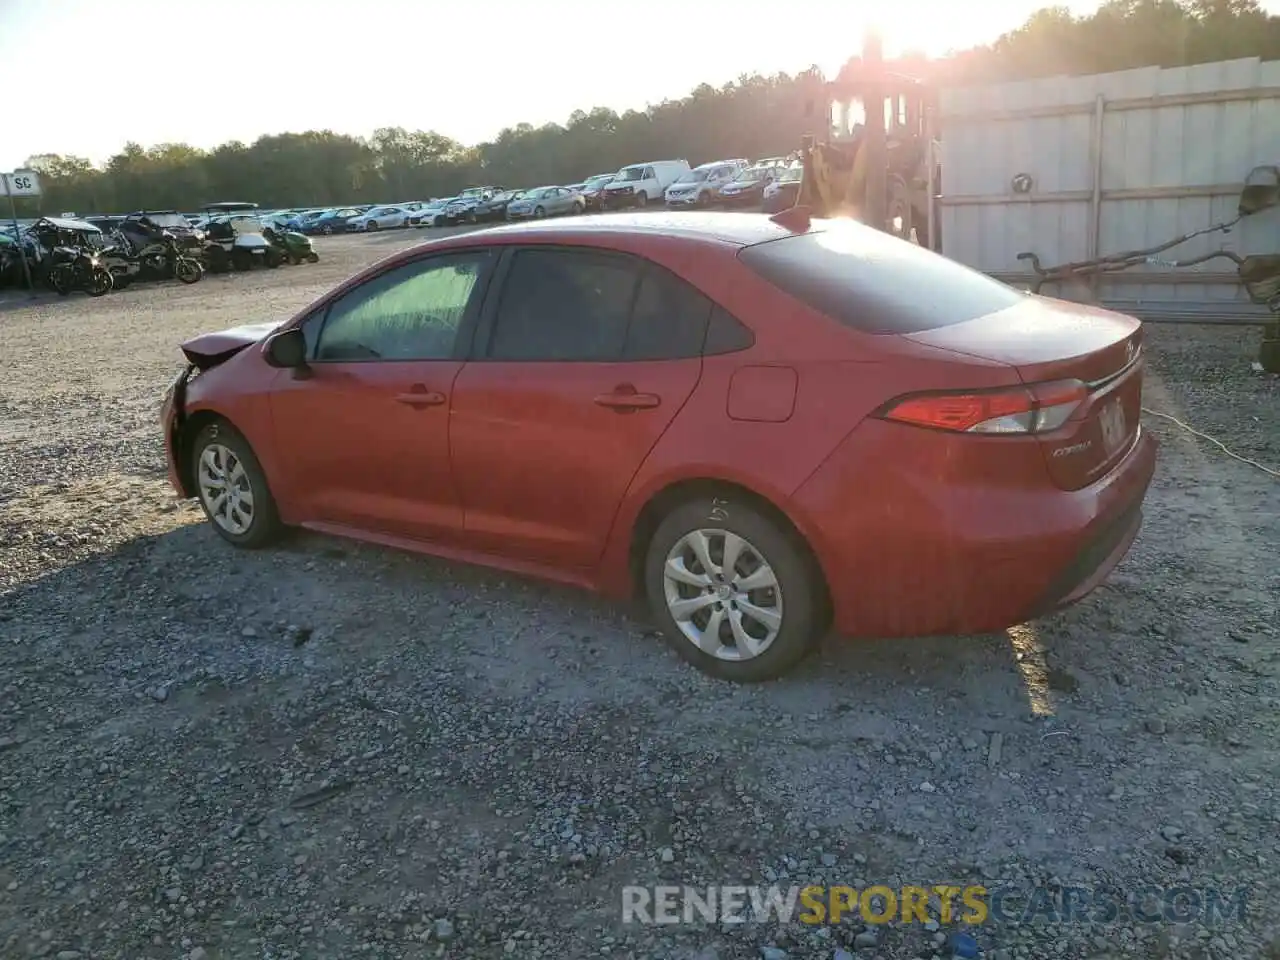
column 21, row 183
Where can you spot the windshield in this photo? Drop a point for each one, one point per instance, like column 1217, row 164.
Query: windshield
column 694, row 176
column 470, row 192
column 630, row 174
column 599, row 178
column 534, row 194
column 752, row 173
column 168, row 219
column 846, row 117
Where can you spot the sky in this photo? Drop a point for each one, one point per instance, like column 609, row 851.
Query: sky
column 464, row 70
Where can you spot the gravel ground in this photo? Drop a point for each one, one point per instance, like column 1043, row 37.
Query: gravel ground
column 330, row 750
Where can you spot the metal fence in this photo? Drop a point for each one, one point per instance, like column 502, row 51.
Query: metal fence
column 1076, row 167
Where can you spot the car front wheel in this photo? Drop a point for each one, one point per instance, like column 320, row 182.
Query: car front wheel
column 232, row 487
column 732, row 591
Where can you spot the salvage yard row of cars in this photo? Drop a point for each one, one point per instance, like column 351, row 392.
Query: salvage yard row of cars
column 71, row 252
column 771, row 183
column 98, row 254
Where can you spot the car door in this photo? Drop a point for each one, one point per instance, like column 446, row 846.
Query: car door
column 567, row 395
column 560, row 199
column 366, row 427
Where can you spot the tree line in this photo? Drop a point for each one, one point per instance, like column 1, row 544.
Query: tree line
column 756, row 116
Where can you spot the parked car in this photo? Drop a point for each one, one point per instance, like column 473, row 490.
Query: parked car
column 641, row 183
column 698, row 187
column 782, row 193
column 947, row 454
column 379, row 218
column 431, row 215
column 545, row 202
column 593, row 189
column 746, row 189
column 462, row 208
column 494, row 208
column 331, row 221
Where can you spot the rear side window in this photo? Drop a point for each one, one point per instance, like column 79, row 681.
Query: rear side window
column 875, row 283
column 560, row 305
column 669, row 320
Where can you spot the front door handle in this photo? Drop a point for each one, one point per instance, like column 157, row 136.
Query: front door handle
column 421, row 398
column 625, row 398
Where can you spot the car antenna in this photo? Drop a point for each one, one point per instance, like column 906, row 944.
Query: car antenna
column 796, row 219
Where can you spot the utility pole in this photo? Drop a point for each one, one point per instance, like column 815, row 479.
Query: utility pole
column 876, row 211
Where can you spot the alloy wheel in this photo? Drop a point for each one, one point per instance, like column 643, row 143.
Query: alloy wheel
column 225, row 489
column 722, row 594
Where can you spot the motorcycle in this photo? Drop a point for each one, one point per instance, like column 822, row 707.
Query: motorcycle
column 79, row 268
column 159, row 259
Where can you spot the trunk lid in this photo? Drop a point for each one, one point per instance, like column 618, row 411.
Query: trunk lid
column 1047, row 340
column 210, row 349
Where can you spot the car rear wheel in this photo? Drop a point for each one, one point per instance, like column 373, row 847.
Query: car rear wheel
column 232, row 487
column 717, row 574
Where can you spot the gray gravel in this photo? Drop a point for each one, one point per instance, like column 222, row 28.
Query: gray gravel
column 330, row 750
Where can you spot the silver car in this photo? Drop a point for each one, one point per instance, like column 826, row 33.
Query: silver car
column 546, row 202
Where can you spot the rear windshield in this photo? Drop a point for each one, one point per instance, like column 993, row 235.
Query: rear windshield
column 875, row 283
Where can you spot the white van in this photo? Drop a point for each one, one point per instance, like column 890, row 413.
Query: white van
column 639, row 184
column 698, row 187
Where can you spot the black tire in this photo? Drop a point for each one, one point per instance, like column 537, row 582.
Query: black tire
column 188, row 270
column 797, row 579
column 1269, row 356
column 313, row 257
column 539, row 212
column 472, row 218
column 241, row 260
column 371, row 226
column 327, row 230
column 439, row 222
column 99, row 283
column 264, row 525
column 642, row 199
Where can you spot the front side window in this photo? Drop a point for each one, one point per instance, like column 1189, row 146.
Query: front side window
column 413, row 312
column 564, row 305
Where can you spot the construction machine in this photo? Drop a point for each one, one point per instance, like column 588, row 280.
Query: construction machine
column 877, row 163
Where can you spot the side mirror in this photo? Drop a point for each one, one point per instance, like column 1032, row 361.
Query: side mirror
column 287, row 350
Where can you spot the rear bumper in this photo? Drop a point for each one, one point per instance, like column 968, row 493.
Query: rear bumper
column 916, row 538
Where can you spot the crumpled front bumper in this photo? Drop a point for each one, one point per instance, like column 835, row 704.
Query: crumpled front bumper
column 172, row 412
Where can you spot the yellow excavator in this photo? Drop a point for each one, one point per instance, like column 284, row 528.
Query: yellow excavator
column 877, row 163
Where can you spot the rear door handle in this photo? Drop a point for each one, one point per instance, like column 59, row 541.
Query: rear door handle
column 421, row 398
column 624, row 399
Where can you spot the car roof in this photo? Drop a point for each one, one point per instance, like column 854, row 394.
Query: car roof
column 735, row 229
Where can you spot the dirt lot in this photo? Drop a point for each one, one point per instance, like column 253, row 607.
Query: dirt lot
column 495, row 759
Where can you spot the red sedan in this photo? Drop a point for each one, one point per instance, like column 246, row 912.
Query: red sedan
column 766, row 426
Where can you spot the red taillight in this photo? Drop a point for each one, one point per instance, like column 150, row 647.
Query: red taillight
column 1032, row 409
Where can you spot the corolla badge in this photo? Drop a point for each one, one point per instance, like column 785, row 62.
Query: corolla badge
column 1073, row 448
